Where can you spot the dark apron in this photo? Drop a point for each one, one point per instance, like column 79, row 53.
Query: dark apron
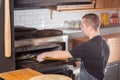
column 84, row 75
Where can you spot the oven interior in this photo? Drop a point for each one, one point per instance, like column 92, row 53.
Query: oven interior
column 25, row 58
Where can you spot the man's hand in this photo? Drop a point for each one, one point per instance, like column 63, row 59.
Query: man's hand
column 53, row 54
column 41, row 57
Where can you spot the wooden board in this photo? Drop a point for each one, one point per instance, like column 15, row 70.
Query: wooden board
column 22, row 74
column 75, row 7
column 56, row 59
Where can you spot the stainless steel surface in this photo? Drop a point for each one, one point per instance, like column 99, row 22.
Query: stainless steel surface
column 76, row 72
column 35, row 41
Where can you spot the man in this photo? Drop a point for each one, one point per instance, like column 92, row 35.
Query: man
column 93, row 53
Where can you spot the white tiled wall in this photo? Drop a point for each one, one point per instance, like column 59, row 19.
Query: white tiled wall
column 40, row 18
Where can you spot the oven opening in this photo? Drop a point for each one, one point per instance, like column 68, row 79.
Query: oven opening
column 24, row 58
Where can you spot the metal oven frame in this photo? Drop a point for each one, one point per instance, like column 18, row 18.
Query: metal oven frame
column 35, row 41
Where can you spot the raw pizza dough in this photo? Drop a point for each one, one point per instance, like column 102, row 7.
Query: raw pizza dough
column 50, row 77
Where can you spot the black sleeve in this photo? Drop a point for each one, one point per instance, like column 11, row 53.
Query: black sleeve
column 79, row 51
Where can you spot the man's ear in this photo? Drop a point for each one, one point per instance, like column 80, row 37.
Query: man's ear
column 90, row 28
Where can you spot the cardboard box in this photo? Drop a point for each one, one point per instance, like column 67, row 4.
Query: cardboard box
column 100, row 4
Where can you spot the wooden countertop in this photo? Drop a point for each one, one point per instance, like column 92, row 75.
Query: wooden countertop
column 22, row 74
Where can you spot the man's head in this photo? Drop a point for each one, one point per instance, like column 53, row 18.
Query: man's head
column 90, row 23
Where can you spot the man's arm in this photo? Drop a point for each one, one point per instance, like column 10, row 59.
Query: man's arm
column 54, row 54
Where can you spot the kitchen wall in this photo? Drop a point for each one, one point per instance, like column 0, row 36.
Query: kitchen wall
column 42, row 19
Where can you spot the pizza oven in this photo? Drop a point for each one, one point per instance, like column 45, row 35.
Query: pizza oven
column 28, row 47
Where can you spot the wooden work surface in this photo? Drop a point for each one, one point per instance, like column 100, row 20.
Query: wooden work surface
column 22, row 74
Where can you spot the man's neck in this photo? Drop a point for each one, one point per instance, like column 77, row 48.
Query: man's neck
column 93, row 34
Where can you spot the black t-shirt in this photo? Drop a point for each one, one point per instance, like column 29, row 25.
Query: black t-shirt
column 94, row 54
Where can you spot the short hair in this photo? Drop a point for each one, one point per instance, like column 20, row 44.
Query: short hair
column 93, row 20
